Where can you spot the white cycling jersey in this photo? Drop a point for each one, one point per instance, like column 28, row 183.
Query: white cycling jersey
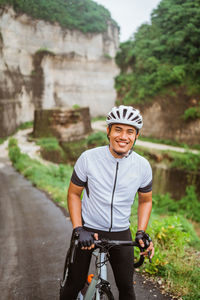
column 110, row 187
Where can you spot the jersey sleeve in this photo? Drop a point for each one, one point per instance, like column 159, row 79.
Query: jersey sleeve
column 79, row 175
column 146, row 182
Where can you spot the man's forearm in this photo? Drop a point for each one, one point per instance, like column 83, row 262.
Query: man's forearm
column 144, row 210
column 74, row 206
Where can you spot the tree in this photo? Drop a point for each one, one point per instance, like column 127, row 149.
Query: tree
column 162, row 54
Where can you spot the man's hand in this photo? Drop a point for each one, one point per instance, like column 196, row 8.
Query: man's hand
column 85, row 238
column 145, row 242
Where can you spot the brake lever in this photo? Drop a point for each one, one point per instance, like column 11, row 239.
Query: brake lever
column 149, row 254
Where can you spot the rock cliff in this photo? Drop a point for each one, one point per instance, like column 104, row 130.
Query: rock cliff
column 163, row 118
column 44, row 66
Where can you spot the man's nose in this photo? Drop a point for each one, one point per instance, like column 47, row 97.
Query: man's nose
column 123, row 135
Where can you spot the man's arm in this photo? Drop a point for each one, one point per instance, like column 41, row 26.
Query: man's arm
column 144, row 212
column 74, row 204
column 144, row 209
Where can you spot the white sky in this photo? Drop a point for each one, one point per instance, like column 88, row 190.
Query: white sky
column 129, row 14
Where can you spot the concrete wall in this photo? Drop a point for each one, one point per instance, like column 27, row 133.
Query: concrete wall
column 65, row 124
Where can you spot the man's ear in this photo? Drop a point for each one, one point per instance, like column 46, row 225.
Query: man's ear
column 108, row 132
column 137, row 135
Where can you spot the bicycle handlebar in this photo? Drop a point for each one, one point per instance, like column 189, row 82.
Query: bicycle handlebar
column 105, row 244
column 116, row 243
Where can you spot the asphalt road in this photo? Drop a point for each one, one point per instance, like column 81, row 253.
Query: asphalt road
column 34, row 236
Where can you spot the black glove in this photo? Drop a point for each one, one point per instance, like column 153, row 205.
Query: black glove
column 85, row 238
column 142, row 235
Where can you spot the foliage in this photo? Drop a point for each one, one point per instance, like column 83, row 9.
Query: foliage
column 191, row 113
column 49, row 144
column 52, row 179
column 188, row 206
column 86, row 16
column 25, row 125
column 51, row 150
column 76, row 106
column 161, row 55
column 14, row 151
column 45, row 51
column 99, row 118
column 97, row 139
column 175, row 241
column 186, row 161
column 2, row 140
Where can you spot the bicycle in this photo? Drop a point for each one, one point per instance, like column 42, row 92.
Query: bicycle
column 99, row 288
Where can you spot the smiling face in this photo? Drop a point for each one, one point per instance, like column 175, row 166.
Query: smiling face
column 122, row 138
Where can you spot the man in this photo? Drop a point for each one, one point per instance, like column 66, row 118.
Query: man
column 110, row 177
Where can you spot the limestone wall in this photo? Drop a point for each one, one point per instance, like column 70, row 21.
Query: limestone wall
column 45, row 66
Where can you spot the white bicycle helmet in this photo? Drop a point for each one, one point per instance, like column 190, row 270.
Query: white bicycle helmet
column 125, row 115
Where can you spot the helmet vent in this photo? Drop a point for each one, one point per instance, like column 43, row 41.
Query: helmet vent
column 130, row 115
column 124, row 113
column 118, row 114
column 113, row 115
column 134, row 119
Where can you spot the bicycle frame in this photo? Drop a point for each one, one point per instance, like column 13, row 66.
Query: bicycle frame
column 100, row 274
column 99, row 283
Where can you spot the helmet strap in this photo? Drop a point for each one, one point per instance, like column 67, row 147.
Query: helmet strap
column 109, row 126
column 134, row 142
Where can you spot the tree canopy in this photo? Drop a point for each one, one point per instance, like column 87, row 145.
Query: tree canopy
column 84, row 15
column 163, row 54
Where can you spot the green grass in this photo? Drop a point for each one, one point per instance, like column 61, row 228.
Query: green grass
column 99, row 118
column 25, row 125
column 48, row 144
column 52, row 179
column 2, row 140
column 176, row 245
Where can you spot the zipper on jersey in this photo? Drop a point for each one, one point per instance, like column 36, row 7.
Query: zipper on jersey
column 117, row 166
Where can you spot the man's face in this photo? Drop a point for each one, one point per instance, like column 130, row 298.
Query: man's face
column 122, row 138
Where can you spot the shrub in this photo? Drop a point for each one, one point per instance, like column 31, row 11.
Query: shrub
column 14, row 151
column 86, row 16
column 188, row 206
column 191, row 113
column 97, row 139
column 187, row 161
column 173, row 237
